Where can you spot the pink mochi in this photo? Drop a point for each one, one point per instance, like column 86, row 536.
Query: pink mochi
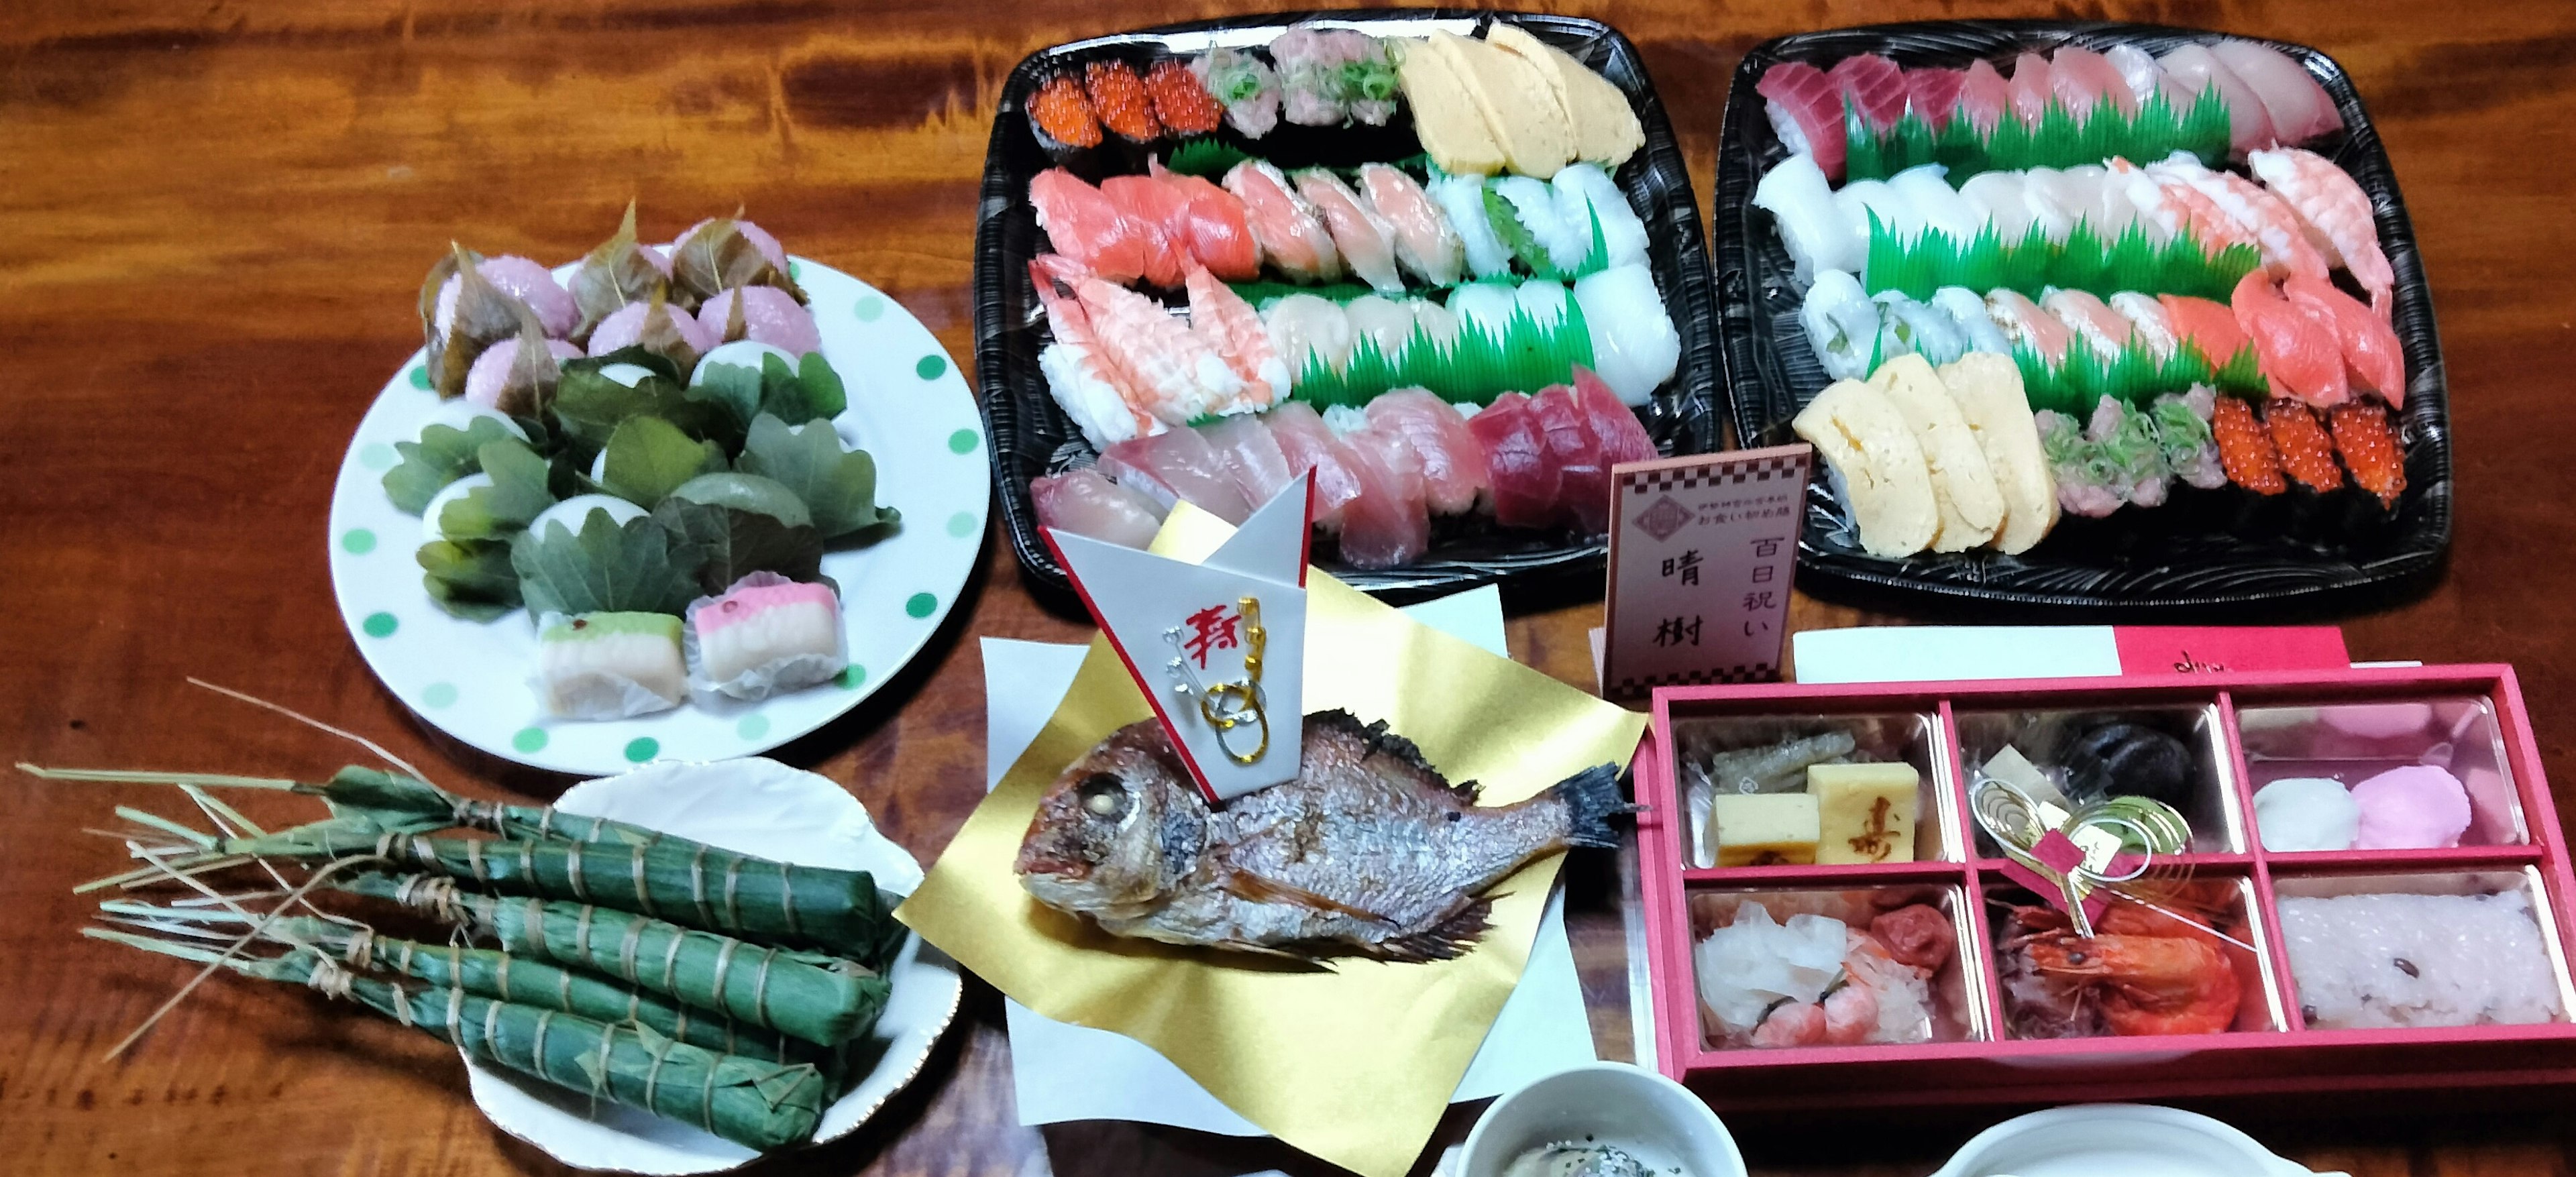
column 491, row 370
column 625, row 325
column 523, row 280
column 2416, row 807
column 769, row 315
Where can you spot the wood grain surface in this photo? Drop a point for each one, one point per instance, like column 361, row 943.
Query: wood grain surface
column 213, row 217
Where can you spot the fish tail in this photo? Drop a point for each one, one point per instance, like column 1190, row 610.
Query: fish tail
column 1591, row 799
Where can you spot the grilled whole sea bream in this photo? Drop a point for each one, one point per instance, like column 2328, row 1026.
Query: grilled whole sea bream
column 1368, row 852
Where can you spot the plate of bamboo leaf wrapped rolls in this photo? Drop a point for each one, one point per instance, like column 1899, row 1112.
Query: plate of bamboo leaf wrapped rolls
column 2081, row 314
column 1448, row 264
column 633, row 988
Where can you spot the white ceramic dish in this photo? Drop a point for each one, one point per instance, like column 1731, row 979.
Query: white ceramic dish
column 751, row 806
column 1649, row 1116
column 2117, row 1140
column 909, row 407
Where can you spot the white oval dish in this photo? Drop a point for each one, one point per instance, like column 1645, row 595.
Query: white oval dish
column 751, row 806
column 1655, row 1119
column 2117, row 1140
column 909, row 407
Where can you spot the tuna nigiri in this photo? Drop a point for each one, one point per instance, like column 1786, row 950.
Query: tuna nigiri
column 1085, row 225
column 1291, row 235
column 1310, row 447
column 2032, row 88
column 1932, row 94
column 1424, row 242
column 1874, row 87
column 1806, row 110
column 1388, row 523
column 2084, row 79
column 1366, row 243
column 2292, row 99
column 2028, row 326
column 1584, row 490
column 1084, row 503
column 2372, row 357
column 1177, row 466
column 2337, row 213
column 1453, row 465
column 1984, row 95
column 2297, row 344
column 1211, row 222
column 2195, row 69
column 1527, row 483
column 1613, row 425
column 1156, row 208
column 1244, row 446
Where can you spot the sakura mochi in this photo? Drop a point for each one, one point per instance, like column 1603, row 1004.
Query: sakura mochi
column 765, row 635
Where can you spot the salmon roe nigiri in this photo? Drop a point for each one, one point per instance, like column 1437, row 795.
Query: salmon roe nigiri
column 2245, row 448
column 2369, row 447
column 2306, row 452
column 1118, row 97
column 1181, row 100
column 1061, row 112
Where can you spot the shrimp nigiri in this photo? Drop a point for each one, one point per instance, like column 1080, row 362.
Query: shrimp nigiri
column 1366, row 242
column 2190, row 212
column 2301, row 356
column 1161, row 360
column 2371, row 353
column 1424, row 242
column 1094, row 393
column 1291, row 235
column 2275, row 228
column 1231, row 328
column 2336, row 210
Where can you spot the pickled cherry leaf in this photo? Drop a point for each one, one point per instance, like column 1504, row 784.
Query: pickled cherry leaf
column 604, row 567
column 613, row 275
column 648, row 456
column 838, row 486
column 723, row 544
column 443, row 454
column 471, row 579
column 718, row 256
column 521, row 490
column 484, row 316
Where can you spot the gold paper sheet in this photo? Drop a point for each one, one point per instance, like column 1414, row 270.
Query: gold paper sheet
column 1354, row 1065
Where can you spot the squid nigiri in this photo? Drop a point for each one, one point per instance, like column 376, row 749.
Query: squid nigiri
column 1462, row 199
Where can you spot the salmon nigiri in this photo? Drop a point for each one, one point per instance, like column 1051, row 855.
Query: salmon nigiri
column 1292, row 237
column 1984, row 95
column 2301, row 356
column 1212, row 223
column 2032, row 88
column 1160, row 209
column 1806, row 110
column 2371, row 353
column 1453, row 465
column 2083, row 78
column 1088, row 227
column 2209, row 326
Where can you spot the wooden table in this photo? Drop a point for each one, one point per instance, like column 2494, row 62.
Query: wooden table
column 215, row 218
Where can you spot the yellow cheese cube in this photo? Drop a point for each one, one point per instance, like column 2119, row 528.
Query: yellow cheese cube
column 1762, row 829
column 1864, row 812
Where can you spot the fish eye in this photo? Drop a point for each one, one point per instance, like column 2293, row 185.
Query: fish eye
column 1102, row 795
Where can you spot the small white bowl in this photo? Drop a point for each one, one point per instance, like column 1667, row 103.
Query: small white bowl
column 2117, row 1140
column 1649, row 1116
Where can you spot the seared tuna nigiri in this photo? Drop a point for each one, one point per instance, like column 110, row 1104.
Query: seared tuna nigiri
column 1527, row 482
column 1806, row 109
column 1453, row 465
column 1084, row 503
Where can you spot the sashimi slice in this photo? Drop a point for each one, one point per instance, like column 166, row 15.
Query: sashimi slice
column 1083, row 224
column 1932, row 94
column 1229, row 326
column 1250, row 455
column 1084, row 503
column 2301, row 356
column 2032, row 88
column 1178, row 465
column 1309, row 446
column 2194, row 68
column 2093, row 321
column 2372, row 357
column 1613, row 424
column 1367, row 244
column 1875, row 87
column 1291, row 236
column 2083, row 78
column 1453, row 465
column 1387, row 525
column 1424, row 241
column 2209, row 326
column 1984, row 95
column 2297, row 105
column 1213, row 225
column 2028, row 326
column 1584, row 492
column 1160, row 209
column 1527, row 482
column 1806, row 110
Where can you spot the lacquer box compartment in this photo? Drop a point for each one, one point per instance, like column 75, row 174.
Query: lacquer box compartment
column 2242, row 730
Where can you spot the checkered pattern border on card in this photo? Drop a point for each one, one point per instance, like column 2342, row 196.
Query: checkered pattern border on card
column 1760, row 470
column 1639, row 684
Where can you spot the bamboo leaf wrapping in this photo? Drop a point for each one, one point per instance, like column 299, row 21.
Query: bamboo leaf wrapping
column 757, row 1104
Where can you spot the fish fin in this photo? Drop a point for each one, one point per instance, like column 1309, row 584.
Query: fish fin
column 1446, row 940
column 1591, row 799
column 1253, row 888
column 1287, row 952
column 1404, row 751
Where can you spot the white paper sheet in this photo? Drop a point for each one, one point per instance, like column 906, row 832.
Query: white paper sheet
column 1932, row 653
column 1062, row 1072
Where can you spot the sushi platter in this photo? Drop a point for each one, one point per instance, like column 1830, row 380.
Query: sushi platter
column 1450, row 262
column 512, row 530
column 2186, row 251
column 2303, row 881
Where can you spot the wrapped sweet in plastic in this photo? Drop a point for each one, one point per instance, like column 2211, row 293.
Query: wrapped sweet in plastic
column 610, row 665
column 765, row 635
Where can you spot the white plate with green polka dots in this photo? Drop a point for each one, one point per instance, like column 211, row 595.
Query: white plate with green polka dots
column 909, row 407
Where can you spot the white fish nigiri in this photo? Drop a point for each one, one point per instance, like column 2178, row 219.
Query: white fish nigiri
column 1794, row 192
column 1934, row 201
column 1308, row 329
column 1623, row 235
column 2138, row 69
column 1463, row 199
column 1968, row 310
column 1997, row 199
column 1383, row 324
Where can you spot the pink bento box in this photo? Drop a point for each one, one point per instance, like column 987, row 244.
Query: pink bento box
column 1948, row 728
